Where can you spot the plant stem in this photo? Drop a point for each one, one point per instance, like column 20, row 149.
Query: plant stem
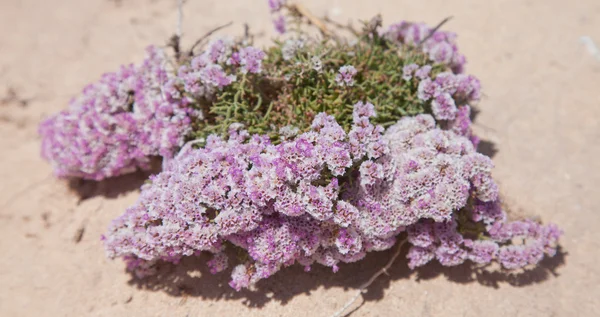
column 362, row 289
column 303, row 11
column 437, row 27
column 178, row 30
column 205, row 36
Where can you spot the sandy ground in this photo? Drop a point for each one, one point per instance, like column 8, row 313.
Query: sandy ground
column 541, row 113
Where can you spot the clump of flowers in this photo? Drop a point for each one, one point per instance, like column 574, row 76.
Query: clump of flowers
column 326, row 197
column 345, row 76
column 310, row 151
column 118, row 123
column 439, row 46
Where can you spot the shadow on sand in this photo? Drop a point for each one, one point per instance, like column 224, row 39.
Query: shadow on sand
column 485, row 147
column 192, row 278
column 112, row 187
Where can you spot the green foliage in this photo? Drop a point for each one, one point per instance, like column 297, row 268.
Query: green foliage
column 291, row 92
column 466, row 226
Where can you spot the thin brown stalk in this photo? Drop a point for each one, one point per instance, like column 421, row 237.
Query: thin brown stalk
column 303, row 11
column 205, row 36
column 435, row 29
column 178, row 30
column 348, row 27
column 363, row 288
column 175, row 40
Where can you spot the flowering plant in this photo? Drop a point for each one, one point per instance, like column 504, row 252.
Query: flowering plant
column 311, row 151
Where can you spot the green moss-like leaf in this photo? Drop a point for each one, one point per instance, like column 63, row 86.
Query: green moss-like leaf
column 290, row 92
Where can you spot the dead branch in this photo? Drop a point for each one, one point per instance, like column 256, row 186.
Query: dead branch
column 435, row 29
column 364, row 287
column 205, row 36
column 348, row 27
column 303, row 11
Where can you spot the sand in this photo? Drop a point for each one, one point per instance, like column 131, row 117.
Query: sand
column 539, row 115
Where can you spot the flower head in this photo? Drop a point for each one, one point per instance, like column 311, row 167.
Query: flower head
column 251, row 59
column 345, row 76
column 279, row 24
column 118, row 123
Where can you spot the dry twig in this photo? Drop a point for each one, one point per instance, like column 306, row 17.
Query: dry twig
column 175, row 40
column 435, row 29
column 303, row 11
column 178, row 31
column 78, row 236
column 348, row 27
column 205, row 36
column 364, row 287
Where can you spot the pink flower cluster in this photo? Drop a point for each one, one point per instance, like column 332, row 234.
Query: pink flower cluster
column 215, row 69
column 449, row 96
column 244, row 190
column 514, row 244
column 345, row 76
column 276, row 5
column 121, row 121
column 117, row 123
column 279, row 21
column 440, row 47
column 325, row 196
